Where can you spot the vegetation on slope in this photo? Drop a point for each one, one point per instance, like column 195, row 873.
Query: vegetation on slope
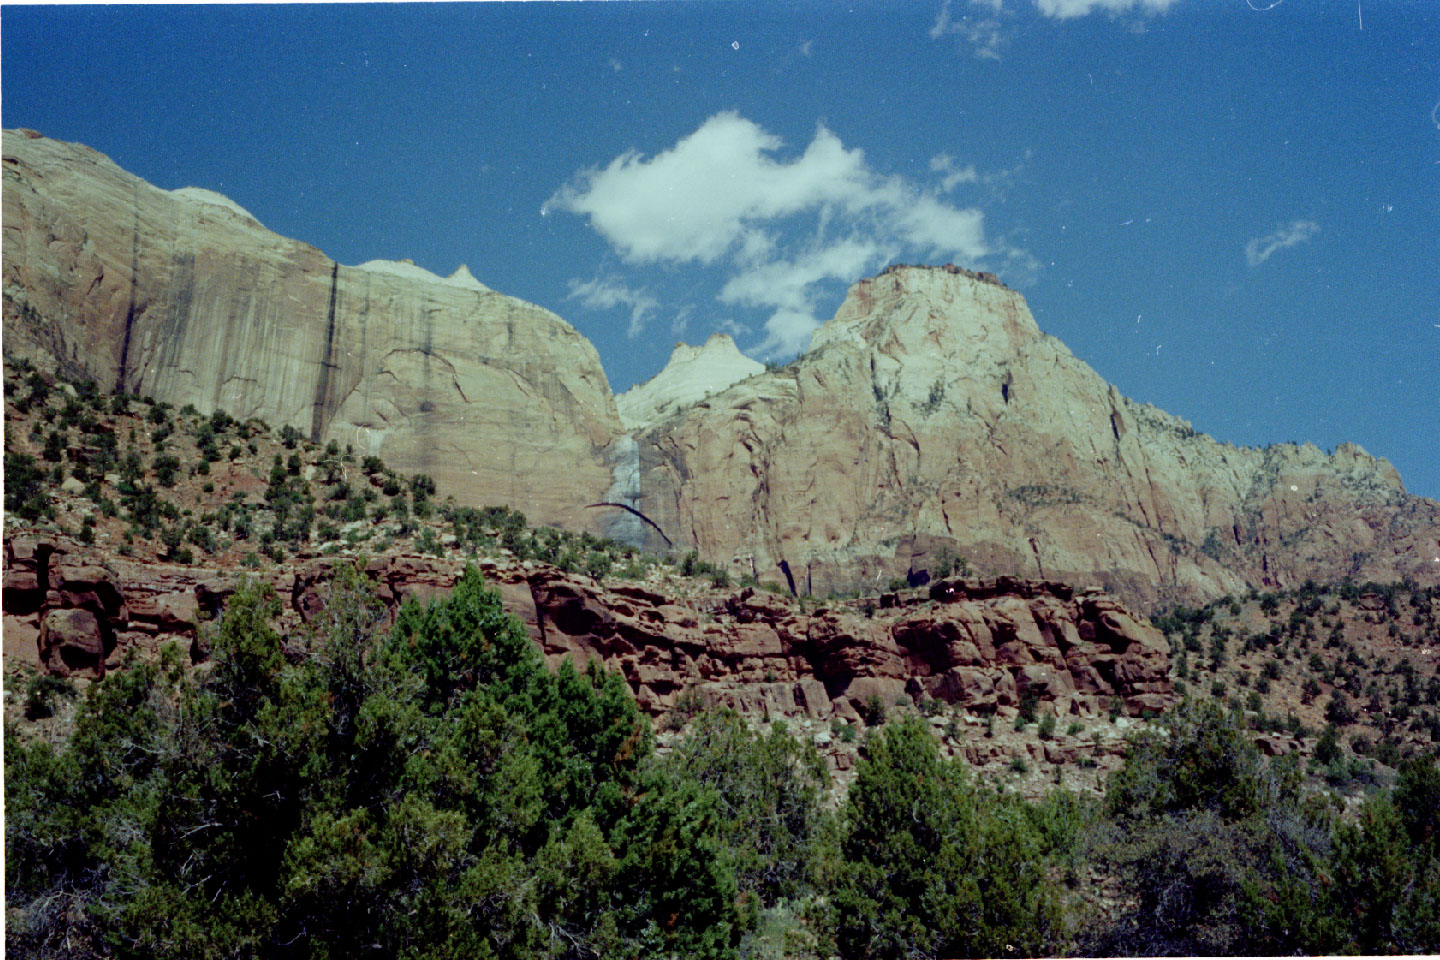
column 1350, row 670
column 137, row 476
column 434, row 791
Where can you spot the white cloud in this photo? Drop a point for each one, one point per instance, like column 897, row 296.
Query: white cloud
column 1258, row 249
column 983, row 31
column 984, row 28
column 787, row 287
column 735, row 328
column 777, row 227
column 607, row 293
column 954, row 174
column 698, row 199
column 1065, row 9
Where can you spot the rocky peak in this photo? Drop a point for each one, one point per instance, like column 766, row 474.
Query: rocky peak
column 911, row 304
column 213, row 199
column 931, row 413
column 691, row 375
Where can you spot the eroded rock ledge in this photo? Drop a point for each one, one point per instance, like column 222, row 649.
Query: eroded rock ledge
column 981, row 644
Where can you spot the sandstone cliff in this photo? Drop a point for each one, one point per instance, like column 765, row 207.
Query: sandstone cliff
column 932, row 412
column 182, row 295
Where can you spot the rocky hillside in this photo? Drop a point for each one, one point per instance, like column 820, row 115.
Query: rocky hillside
column 1340, row 673
column 129, row 524
column 931, row 419
column 932, row 414
column 182, row 295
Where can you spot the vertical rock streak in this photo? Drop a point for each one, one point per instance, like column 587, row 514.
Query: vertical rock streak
column 134, row 282
column 322, row 386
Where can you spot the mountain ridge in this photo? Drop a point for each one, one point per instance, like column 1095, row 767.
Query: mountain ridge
column 932, row 417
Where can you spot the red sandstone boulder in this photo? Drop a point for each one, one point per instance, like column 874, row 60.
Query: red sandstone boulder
column 72, row 643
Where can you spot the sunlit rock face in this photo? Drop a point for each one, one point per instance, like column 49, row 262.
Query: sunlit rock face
column 692, row 374
column 932, row 412
column 182, row 295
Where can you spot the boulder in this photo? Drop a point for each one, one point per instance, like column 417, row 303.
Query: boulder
column 72, row 643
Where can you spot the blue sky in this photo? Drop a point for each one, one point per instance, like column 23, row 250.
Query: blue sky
column 1230, row 211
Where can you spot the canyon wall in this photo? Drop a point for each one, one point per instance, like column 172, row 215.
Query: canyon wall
column 932, row 413
column 930, row 417
column 184, row 296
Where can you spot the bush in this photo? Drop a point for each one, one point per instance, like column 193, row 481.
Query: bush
column 1340, row 711
column 433, row 792
column 1204, row 760
column 934, row 866
column 41, row 692
column 874, row 713
column 165, row 468
column 770, row 788
column 1327, row 748
column 25, row 488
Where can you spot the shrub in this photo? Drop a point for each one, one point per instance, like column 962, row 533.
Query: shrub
column 25, row 488
column 41, row 692
column 770, row 788
column 1339, row 710
column 165, row 468
column 1204, row 760
column 932, row 865
column 874, row 713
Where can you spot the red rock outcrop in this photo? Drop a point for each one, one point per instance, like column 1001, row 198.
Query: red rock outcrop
column 987, row 645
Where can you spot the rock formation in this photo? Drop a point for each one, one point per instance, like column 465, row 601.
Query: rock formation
column 691, row 375
column 931, row 412
column 986, row 645
column 184, row 296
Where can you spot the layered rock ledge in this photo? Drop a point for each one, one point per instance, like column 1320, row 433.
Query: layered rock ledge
column 986, row 645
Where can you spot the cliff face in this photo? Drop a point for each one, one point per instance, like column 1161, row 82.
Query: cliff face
column 183, row 296
column 931, row 412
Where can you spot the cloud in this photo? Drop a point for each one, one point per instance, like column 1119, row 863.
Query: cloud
column 723, row 197
column 787, row 288
column 954, row 174
column 607, row 293
column 700, row 198
column 1065, row 9
column 983, row 27
column 984, row 31
column 1258, row 249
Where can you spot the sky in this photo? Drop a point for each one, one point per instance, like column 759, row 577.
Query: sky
column 1229, row 208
